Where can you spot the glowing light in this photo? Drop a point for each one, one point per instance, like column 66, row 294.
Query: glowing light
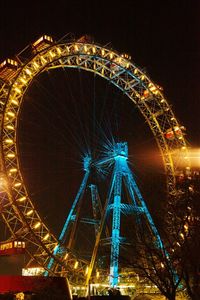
column 111, row 55
column 66, row 256
column 3, row 182
column 93, row 49
column 13, row 170
column 38, row 41
column 58, row 50
column 15, row 102
column 102, row 52
column 46, row 236
column 11, row 155
column 17, row 184
column 52, row 54
column 55, row 248
column 20, row 296
column 76, row 47
column 18, row 90
column 23, row 80
column 86, row 270
column 3, row 63
column 21, row 199
column 135, row 71
column 162, row 265
column 193, row 156
column 97, row 274
column 182, row 235
column 35, row 271
column 9, row 141
column 28, row 71
column 37, row 225
column 43, row 59
column 29, row 212
column 36, row 65
column 10, row 113
column 76, row 265
column 10, row 127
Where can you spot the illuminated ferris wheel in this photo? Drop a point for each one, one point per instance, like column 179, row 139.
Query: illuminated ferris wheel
column 17, row 208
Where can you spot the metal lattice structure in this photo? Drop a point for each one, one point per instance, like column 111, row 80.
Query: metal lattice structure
column 17, row 208
column 115, row 207
column 71, row 218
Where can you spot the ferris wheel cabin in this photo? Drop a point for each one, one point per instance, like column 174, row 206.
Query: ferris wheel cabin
column 12, row 248
column 8, row 69
column 42, row 43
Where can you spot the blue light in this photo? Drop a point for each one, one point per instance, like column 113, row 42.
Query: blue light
column 118, row 155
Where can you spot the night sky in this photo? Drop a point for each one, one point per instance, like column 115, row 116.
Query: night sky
column 161, row 38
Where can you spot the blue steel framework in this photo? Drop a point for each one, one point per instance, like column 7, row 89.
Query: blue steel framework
column 121, row 172
column 96, row 206
column 119, row 156
column 73, row 214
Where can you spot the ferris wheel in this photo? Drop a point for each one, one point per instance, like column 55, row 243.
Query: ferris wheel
column 17, row 208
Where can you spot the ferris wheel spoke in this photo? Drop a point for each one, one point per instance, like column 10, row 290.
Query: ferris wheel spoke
column 107, row 64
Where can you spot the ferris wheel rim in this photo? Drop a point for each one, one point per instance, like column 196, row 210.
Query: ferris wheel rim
column 105, row 63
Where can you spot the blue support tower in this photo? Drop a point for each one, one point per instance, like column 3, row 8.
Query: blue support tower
column 122, row 173
column 115, row 239
column 114, row 205
column 72, row 213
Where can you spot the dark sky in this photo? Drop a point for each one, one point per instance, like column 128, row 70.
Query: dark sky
column 162, row 37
